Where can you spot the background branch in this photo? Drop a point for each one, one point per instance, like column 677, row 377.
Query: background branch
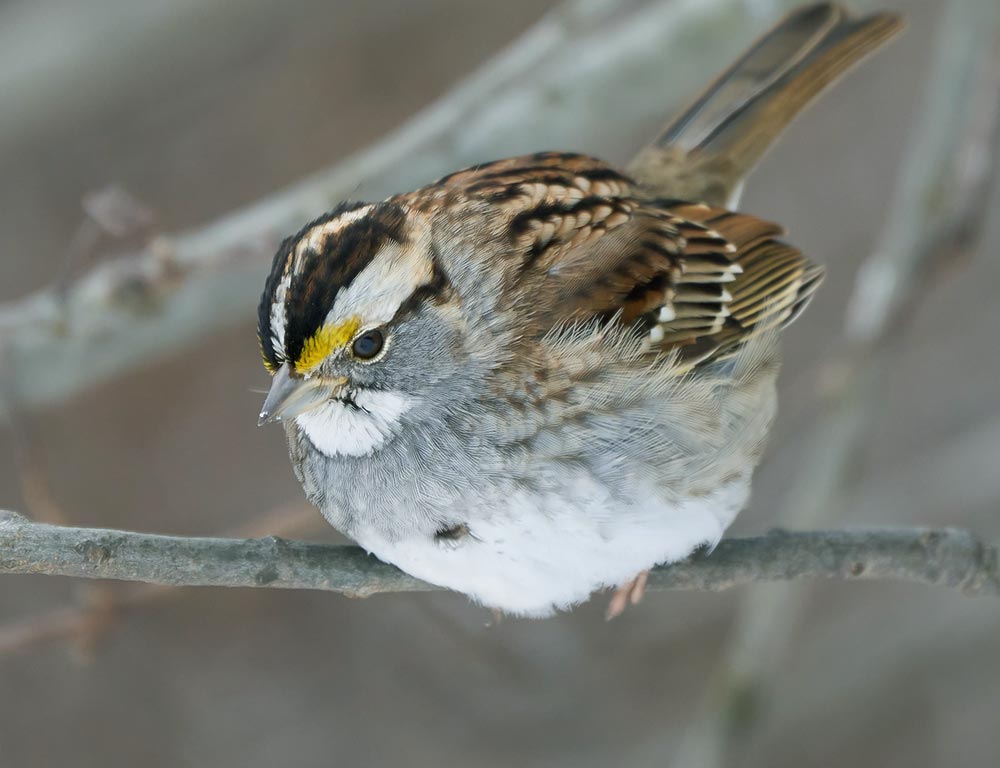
column 552, row 88
column 938, row 211
column 202, row 103
column 946, row 557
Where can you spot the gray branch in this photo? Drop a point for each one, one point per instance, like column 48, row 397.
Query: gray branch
column 945, row 557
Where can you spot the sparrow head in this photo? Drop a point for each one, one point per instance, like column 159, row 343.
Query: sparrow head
column 353, row 325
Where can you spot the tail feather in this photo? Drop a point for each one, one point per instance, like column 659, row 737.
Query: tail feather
column 719, row 138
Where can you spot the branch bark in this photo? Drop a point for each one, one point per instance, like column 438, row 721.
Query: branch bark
column 945, row 557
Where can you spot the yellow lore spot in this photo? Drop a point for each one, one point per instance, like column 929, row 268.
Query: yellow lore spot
column 327, row 339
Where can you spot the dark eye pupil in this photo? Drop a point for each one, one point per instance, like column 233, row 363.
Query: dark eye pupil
column 368, row 344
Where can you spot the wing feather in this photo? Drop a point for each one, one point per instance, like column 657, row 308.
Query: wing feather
column 694, row 278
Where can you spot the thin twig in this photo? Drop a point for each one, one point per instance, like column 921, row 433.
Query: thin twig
column 946, row 557
column 110, row 215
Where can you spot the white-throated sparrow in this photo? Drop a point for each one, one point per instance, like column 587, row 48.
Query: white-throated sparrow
column 541, row 376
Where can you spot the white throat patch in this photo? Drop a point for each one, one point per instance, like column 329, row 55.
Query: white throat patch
column 340, row 429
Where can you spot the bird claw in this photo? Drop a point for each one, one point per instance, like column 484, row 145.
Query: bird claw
column 632, row 592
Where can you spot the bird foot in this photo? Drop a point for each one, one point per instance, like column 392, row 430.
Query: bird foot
column 631, row 592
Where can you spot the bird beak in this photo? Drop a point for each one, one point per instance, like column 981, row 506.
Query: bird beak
column 290, row 397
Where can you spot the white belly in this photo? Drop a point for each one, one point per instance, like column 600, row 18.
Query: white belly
column 537, row 553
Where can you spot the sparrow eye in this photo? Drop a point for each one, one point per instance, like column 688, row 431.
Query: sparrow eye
column 368, row 344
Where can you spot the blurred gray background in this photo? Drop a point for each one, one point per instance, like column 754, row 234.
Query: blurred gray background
column 199, row 106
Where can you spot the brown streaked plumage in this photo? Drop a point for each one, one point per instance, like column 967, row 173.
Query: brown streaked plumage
column 589, row 242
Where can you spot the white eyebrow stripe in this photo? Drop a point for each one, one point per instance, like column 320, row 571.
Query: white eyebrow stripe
column 379, row 290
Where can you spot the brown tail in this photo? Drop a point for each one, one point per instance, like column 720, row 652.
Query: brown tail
column 712, row 145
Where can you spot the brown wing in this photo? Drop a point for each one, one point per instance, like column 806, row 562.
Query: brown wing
column 773, row 284
column 696, row 278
